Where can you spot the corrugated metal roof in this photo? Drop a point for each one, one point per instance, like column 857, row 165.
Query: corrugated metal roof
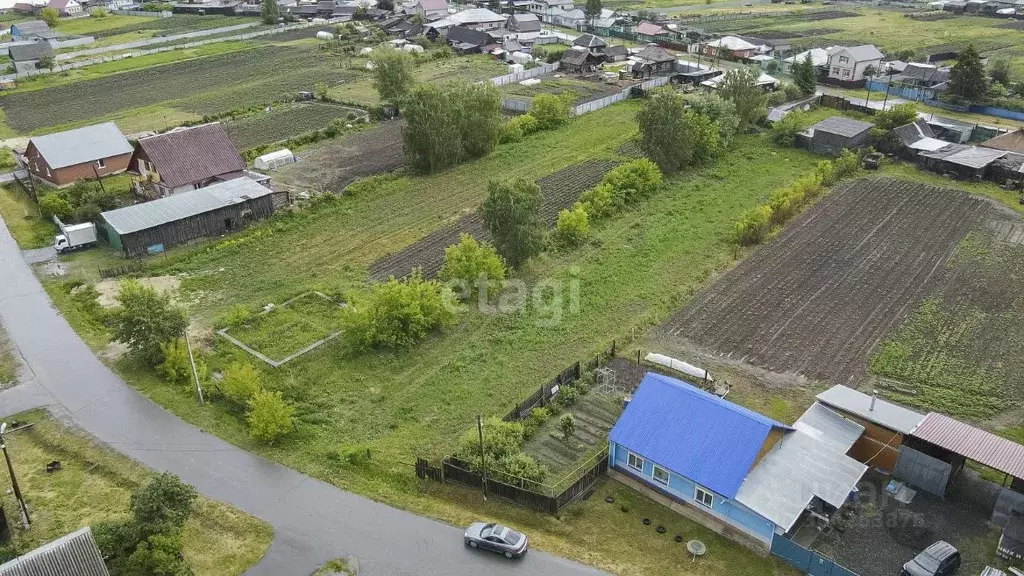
column 189, row 155
column 29, row 51
column 929, row 144
column 945, row 151
column 73, row 555
column 843, row 126
column 886, row 414
column 82, row 145
column 808, row 462
column 975, row 157
column 179, row 206
column 693, row 433
column 974, row 443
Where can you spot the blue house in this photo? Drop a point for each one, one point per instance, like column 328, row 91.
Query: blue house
column 740, row 473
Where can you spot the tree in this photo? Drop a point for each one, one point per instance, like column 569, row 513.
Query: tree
column 146, row 319
column 388, row 5
column 784, row 131
column 54, row 204
column 1000, row 72
column 240, row 382
column 567, row 424
column 164, row 501
column 176, row 367
column 320, row 90
column 46, row 62
column 664, row 137
column 740, row 87
column 897, row 115
column 398, row 314
column 870, row 71
column 392, row 75
column 50, row 15
column 550, row 110
column 805, row 75
column 270, row 416
column 449, row 123
column 474, row 264
column 269, row 11
column 592, row 10
column 967, row 78
column 772, row 66
column 512, row 214
column 573, row 227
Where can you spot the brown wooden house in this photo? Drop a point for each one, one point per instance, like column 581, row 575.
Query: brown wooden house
column 63, row 158
column 185, row 159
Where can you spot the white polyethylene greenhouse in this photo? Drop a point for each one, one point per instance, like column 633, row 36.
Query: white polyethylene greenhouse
column 272, row 160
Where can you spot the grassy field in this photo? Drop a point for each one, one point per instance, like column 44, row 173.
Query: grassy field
column 94, row 485
column 359, row 90
column 581, row 90
column 890, row 30
column 290, row 327
column 23, row 220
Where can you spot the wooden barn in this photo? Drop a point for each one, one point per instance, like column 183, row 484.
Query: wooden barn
column 833, row 135
column 150, row 227
column 961, row 161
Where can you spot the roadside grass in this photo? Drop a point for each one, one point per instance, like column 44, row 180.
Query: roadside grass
column 8, row 360
column 95, row 484
column 595, row 414
column 23, row 220
column 290, row 327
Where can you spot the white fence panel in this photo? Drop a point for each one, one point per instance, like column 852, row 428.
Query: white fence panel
column 520, row 76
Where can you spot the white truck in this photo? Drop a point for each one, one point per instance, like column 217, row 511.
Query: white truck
column 74, row 236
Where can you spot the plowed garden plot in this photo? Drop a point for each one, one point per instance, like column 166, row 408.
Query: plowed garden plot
column 560, row 189
column 595, row 414
column 337, row 163
column 285, row 122
column 817, row 299
column 200, row 86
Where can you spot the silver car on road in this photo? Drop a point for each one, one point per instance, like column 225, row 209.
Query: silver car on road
column 496, row 538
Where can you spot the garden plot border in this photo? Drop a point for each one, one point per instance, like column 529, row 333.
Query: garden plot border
column 278, row 363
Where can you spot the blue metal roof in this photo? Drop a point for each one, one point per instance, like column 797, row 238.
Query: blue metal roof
column 693, row 433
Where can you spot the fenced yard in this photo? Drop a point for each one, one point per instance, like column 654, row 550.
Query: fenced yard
column 595, row 414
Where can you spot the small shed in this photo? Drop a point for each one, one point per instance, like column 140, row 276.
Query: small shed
column 885, row 424
column 616, row 53
column 272, row 160
column 151, row 227
column 26, row 56
column 75, row 553
column 32, row 30
column 961, row 160
column 837, row 133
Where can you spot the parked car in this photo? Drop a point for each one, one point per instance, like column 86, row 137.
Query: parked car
column 939, row 559
column 497, row 538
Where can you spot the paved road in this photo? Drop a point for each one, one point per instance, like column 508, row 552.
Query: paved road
column 313, row 521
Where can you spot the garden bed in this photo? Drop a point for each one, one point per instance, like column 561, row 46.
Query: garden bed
column 594, row 415
column 290, row 330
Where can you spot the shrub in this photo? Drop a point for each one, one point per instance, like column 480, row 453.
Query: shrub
column 515, row 129
column 6, row 158
column 511, row 213
column 753, row 225
column 555, row 53
column 54, row 205
column 775, row 98
column 235, row 316
column 473, row 265
column 550, row 110
column 397, row 314
column 270, row 416
column 785, row 203
column 792, row 91
column 520, row 465
column 808, row 185
column 573, row 227
column 895, row 116
column 567, row 424
column 847, row 164
column 826, row 172
column 500, row 439
column 634, row 180
column 599, row 201
column 719, row 110
column 785, row 130
column 146, row 319
column 449, row 123
column 540, row 415
column 240, row 383
column 176, row 366
column 164, row 501
column 567, row 395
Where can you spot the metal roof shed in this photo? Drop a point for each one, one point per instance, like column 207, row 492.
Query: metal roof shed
column 73, row 554
column 210, row 211
column 972, row 443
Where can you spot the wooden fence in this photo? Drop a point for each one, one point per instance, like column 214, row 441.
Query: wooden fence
column 123, row 270
column 529, row 494
column 544, row 394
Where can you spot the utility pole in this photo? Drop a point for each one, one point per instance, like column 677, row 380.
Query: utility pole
column 26, row 522
column 483, row 457
column 195, row 373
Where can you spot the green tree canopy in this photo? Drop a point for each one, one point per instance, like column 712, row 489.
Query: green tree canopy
column 740, row 87
column 512, row 214
column 805, row 75
column 476, row 265
column 1000, row 72
column 721, row 111
column 50, row 15
column 550, row 110
column 269, row 11
column 897, row 115
column 392, row 74
column 676, row 138
column 449, row 123
column 270, row 416
column 967, row 78
column 398, row 314
column 146, row 319
column 592, row 10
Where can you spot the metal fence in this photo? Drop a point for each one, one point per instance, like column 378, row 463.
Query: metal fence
column 160, row 14
column 525, row 74
column 152, row 41
column 807, row 561
column 609, row 100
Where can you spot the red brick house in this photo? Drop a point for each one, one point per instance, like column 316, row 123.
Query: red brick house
column 185, row 159
column 66, row 157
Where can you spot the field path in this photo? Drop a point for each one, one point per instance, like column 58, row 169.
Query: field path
column 313, row 521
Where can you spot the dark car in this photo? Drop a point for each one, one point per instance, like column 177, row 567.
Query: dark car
column 939, row 559
column 497, row 538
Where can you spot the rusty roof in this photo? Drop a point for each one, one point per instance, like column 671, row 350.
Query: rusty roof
column 973, row 443
column 192, row 155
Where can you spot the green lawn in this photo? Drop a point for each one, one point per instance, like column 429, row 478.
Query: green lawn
column 91, row 26
column 290, row 327
column 94, row 485
column 473, row 68
column 23, row 220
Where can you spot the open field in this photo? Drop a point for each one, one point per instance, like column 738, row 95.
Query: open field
column 358, row 89
column 290, row 327
column 891, row 31
column 285, row 121
column 94, row 485
column 560, row 190
column 581, row 90
column 817, row 299
column 201, row 86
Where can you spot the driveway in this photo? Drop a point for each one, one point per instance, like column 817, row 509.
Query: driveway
column 313, row 521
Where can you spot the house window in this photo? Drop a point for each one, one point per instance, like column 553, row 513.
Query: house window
column 101, row 163
column 635, row 462
column 660, row 475
column 835, row 70
column 844, row 60
column 846, row 73
column 703, row 497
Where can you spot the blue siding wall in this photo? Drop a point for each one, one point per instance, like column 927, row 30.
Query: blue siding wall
column 682, row 489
